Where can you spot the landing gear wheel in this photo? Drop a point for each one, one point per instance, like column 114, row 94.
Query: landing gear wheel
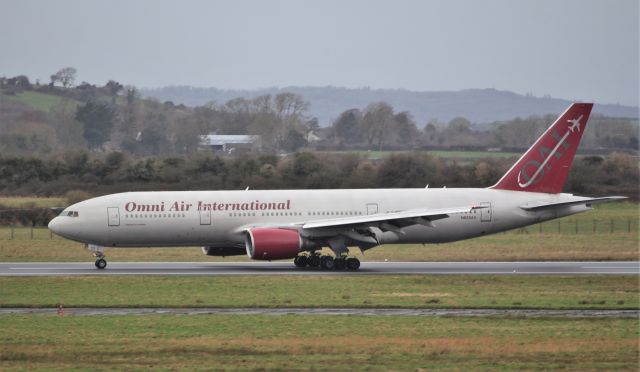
column 101, row 263
column 314, row 261
column 327, row 263
column 353, row 263
column 300, row 261
column 340, row 263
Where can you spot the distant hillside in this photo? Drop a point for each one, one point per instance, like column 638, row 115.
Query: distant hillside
column 477, row 105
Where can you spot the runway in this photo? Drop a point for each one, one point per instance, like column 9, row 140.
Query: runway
column 287, row 268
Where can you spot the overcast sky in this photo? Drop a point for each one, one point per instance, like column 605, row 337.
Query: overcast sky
column 578, row 49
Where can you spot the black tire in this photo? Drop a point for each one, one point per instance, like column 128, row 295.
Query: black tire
column 300, row 261
column 101, row 263
column 327, row 263
column 340, row 263
column 353, row 263
column 314, row 261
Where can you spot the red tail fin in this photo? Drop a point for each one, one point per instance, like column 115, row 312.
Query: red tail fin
column 544, row 167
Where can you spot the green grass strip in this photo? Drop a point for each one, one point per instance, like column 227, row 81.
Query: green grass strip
column 247, row 342
column 446, row 291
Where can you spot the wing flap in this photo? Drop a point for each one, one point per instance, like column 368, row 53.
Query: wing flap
column 398, row 219
column 542, row 205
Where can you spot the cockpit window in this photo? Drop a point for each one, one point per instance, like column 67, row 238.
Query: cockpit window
column 69, row 213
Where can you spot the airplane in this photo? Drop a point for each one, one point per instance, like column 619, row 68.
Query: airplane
column 286, row 224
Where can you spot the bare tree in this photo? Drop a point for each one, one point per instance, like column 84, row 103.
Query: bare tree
column 290, row 106
column 290, row 109
column 66, row 76
column 377, row 122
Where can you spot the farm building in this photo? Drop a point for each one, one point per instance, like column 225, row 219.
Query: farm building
column 228, row 143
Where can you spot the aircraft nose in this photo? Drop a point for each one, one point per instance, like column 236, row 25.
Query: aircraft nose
column 56, row 225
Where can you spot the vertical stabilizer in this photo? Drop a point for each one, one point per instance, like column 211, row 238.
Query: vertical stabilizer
column 545, row 166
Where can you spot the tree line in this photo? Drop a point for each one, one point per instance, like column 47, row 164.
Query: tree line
column 115, row 117
column 117, row 171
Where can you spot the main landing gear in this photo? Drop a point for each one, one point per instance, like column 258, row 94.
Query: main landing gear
column 327, row 262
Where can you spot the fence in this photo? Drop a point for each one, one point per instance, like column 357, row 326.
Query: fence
column 562, row 226
column 26, row 233
column 583, row 226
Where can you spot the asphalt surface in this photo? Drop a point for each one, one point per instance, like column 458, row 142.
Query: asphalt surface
column 529, row 313
column 287, row 268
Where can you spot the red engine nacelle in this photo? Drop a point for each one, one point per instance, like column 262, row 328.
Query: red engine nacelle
column 273, row 243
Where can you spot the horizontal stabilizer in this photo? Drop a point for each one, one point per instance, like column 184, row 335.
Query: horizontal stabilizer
column 542, row 205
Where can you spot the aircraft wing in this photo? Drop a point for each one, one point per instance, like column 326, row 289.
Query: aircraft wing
column 397, row 220
column 542, row 205
column 393, row 221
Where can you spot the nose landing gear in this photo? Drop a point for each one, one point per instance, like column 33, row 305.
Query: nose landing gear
column 98, row 253
column 101, row 263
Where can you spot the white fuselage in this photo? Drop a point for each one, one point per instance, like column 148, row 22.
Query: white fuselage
column 220, row 218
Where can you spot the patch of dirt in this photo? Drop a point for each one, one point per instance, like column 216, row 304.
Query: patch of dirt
column 409, row 294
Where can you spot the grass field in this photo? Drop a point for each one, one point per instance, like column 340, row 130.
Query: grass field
column 500, row 247
column 32, row 201
column 448, row 291
column 469, row 155
column 462, row 155
column 290, row 342
column 40, row 101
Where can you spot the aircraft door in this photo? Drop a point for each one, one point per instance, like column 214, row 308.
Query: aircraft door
column 372, row 208
column 485, row 213
column 114, row 216
column 205, row 217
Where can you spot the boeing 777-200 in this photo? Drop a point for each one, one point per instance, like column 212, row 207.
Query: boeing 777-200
column 285, row 224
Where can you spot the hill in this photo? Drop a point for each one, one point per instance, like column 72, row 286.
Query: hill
column 477, row 105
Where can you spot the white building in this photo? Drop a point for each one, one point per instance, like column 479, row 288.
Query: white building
column 228, row 142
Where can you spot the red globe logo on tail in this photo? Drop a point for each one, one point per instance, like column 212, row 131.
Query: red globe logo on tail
column 545, row 166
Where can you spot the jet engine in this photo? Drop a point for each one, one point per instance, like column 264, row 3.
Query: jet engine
column 223, row 251
column 275, row 244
